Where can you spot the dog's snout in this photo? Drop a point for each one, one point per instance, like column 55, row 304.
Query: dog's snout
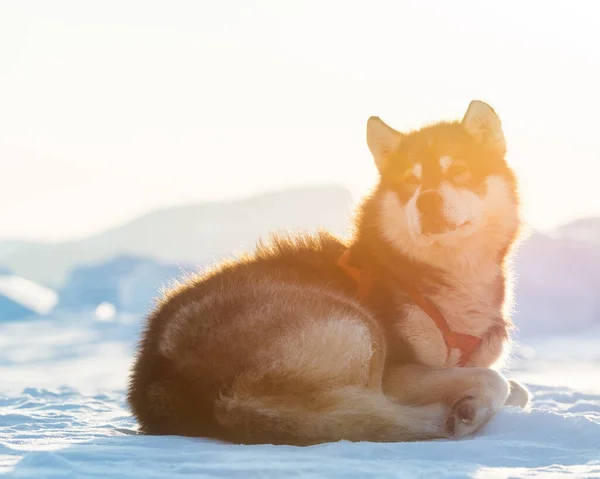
column 429, row 202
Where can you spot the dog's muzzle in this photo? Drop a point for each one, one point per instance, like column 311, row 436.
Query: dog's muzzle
column 430, row 205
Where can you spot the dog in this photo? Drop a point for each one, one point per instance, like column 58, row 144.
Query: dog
column 393, row 335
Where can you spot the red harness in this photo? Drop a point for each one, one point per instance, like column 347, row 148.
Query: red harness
column 364, row 281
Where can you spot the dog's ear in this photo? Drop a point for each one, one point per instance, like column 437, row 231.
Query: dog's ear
column 382, row 141
column 483, row 124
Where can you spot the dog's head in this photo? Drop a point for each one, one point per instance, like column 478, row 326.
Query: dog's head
column 445, row 183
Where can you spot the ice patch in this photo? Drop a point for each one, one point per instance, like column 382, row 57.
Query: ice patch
column 35, row 297
column 105, row 311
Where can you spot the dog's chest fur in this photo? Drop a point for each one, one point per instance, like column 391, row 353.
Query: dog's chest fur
column 471, row 302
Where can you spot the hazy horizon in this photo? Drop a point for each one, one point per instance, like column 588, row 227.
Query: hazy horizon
column 113, row 109
column 121, row 222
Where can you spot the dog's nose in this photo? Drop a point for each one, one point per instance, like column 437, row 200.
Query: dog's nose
column 429, row 202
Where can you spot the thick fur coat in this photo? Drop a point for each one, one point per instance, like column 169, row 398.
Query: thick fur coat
column 278, row 346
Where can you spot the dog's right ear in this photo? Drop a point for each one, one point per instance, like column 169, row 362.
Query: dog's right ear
column 382, row 140
column 483, row 124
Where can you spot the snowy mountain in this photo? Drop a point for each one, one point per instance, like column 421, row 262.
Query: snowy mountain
column 585, row 229
column 129, row 283
column 558, row 284
column 558, row 275
column 4, row 271
column 198, row 233
column 557, row 290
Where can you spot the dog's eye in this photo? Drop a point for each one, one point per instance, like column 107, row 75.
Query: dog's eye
column 410, row 177
column 459, row 172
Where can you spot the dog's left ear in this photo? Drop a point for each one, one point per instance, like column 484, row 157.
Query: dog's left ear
column 382, row 140
column 483, row 124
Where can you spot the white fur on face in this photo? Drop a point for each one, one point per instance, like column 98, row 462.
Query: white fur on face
column 445, row 162
column 401, row 224
column 461, row 206
column 498, row 194
column 413, row 217
column 417, row 170
column 398, row 220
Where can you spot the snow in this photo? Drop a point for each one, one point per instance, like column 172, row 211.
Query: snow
column 35, row 297
column 105, row 311
column 90, row 436
column 63, row 414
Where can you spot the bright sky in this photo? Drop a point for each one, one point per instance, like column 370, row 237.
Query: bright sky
column 110, row 109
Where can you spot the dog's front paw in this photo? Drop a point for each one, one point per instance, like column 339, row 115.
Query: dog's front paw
column 519, row 395
column 478, row 405
column 468, row 415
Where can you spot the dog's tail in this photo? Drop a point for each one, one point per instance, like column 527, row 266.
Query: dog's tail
column 352, row 413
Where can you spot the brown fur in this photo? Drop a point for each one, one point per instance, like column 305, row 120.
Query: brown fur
column 275, row 347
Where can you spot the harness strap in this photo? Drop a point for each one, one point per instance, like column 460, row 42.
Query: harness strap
column 466, row 343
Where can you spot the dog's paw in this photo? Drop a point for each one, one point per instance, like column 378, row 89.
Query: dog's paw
column 468, row 415
column 478, row 405
column 519, row 395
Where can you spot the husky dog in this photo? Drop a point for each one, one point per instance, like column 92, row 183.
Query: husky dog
column 389, row 337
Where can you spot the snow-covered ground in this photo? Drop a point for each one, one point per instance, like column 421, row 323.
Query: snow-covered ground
column 63, row 414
